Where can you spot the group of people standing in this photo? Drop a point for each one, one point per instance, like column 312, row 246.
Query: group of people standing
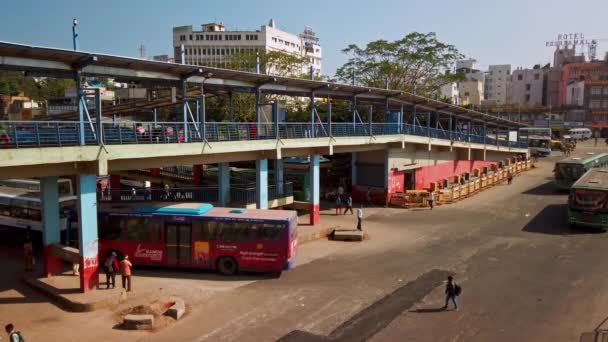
column 112, row 266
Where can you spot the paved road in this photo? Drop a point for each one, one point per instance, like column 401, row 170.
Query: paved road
column 526, row 276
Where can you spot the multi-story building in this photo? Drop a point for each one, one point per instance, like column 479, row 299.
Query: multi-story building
column 591, row 96
column 451, row 91
column 497, row 84
column 471, row 91
column 586, row 71
column 213, row 45
column 527, row 86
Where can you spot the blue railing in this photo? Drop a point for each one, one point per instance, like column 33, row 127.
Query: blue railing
column 238, row 194
column 18, row 134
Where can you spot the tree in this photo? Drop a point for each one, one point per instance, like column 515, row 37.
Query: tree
column 417, row 59
column 277, row 63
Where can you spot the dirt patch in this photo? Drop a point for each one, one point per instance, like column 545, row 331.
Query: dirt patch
column 156, row 308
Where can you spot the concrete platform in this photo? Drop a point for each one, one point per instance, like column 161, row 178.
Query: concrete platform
column 64, row 290
column 348, row 235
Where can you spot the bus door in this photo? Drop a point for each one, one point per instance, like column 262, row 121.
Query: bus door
column 178, row 243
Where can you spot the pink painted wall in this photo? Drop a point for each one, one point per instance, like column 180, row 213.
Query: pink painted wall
column 428, row 174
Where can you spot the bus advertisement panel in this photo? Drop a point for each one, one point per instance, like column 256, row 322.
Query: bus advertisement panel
column 196, row 235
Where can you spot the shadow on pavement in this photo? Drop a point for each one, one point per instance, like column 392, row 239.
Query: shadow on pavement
column 546, row 189
column 553, row 220
column 430, row 310
column 154, row 272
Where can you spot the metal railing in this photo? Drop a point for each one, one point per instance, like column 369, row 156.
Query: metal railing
column 247, row 194
column 238, row 194
column 19, row 134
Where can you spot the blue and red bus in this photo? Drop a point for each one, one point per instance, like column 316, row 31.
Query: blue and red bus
column 197, row 235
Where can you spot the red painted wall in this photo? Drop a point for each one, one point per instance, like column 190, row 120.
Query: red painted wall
column 447, row 170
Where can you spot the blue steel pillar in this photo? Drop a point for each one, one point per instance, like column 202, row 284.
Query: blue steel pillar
column 278, row 176
column 450, row 128
column 485, row 132
column 314, row 178
column 50, row 224
column 329, row 116
column 401, row 120
column 79, row 101
column 261, row 183
column 223, row 174
column 312, row 115
column 353, row 169
column 87, row 232
column 185, row 110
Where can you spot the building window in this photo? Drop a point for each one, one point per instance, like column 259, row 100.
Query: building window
column 527, row 97
column 190, row 37
column 594, row 104
column 537, row 77
column 182, row 37
column 528, row 86
column 520, row 77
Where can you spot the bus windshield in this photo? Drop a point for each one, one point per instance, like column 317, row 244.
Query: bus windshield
column 589, row 200
column 542, row 143
column 570, row 171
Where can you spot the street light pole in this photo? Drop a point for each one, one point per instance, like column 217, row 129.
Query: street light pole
column 75, row 34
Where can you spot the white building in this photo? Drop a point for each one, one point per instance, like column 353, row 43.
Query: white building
column 575, row 94
column 526, row 86
column 497, row 84
column 213, row 45
column 451, row 91
column 471, row 91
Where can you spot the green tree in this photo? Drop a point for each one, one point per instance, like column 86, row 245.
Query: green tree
column 277, row 63
column 417, row 59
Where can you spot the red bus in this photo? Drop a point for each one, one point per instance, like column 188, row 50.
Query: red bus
column 197, row 235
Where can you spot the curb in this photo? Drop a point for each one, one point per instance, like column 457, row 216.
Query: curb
column 312, row 236
column 68, row 305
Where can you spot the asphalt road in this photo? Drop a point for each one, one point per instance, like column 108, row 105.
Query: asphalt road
column 525, row 275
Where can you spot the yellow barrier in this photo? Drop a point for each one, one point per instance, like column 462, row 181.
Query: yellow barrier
column 417, row 198
column 484, row 181
column 455, row 192
column 464, row 190
column 398, row 200
column 445, row 196
column 477, row 184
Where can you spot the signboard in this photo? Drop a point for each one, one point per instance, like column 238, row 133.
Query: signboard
column 569, row 39
column 512, row 135
column 573, row 124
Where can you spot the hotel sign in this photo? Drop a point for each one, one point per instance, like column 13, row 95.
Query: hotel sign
column 569, row 39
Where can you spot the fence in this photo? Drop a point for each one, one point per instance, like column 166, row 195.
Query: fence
column 17, row 134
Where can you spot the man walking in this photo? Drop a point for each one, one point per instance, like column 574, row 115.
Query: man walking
column 509, row 177
column 338, row 205
column 125, row 271
column 349, row 204
column 451, row 292
column 13, row 336
column 111, row 267
column 359, row 217
column 431, row 199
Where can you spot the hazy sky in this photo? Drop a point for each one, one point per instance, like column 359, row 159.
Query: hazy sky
column 493, row 32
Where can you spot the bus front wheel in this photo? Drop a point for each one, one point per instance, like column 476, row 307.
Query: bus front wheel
column 227, row 265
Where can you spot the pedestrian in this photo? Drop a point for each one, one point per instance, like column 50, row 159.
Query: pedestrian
column 431, row 199
column 368, row 196
column 110, row 267
column 28, row 252
column 359, row 217
column 13, row 335
column 349, row 204
column 133, row 194
column 125, row 271
column 452, row 290
column 167, row 193
column 338, row 205
column 148, row 187
column 509, row 177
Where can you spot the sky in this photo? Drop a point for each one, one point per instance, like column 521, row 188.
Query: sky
column 493, row 32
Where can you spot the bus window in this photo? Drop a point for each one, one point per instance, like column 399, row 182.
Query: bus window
column 34, row 214
column 65, row 188
column 109, row 228
column 269, row 231
column 140, row 229
column 5, row 210
column 204, row 231
column 233, row 232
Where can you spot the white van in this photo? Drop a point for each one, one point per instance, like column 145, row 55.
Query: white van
column 580, row 133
